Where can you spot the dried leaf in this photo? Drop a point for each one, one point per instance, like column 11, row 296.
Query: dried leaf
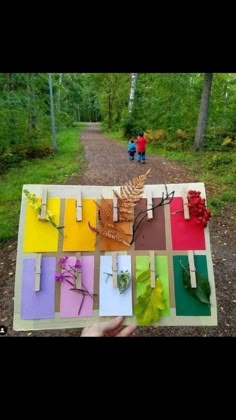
column 130, row 194
column 111, row 232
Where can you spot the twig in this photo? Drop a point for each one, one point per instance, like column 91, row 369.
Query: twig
column 81, row 303
column 164, row 200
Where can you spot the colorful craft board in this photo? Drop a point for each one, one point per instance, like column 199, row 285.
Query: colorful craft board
column 166, row 243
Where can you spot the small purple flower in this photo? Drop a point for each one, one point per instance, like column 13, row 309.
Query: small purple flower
column 62, row 260
column 78, row 265
column 59, row 277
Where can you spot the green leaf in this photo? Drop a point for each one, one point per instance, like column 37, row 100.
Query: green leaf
column 143, row 276
column 203, row 291
column 123, row 280
column 150, row 304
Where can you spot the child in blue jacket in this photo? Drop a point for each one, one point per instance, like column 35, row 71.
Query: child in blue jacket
column 131, row 149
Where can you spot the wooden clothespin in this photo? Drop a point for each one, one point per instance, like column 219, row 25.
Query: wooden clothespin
column 192, row 269
column 185, row 204
column 43, row 212
column 79, row 207
column 149, row 205
column 114, row 269
column 115, row 208
column 152, row 268
column 37, row 272
column 78, row 280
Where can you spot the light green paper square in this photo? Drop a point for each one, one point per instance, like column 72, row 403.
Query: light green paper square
column 161, row 267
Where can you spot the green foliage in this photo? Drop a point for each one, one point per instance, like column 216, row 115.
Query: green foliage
column 123, row 280
column 150, row 303
column 229, row 142
column 230, row 179
column 130, row 128
column 163, row 102
column 219, row 160
column 63, row 120
column 228, row 196
column 215, row 204
column 13, row 156
column 203, row 291
column 53, row 169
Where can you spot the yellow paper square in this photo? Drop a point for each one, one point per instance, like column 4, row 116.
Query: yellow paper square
column 40, row 235
column 77, row 235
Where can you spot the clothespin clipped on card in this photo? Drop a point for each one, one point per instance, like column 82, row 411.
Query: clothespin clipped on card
column 78, row 280
column 115, row 208
column 152, row 268
column 149, row 204
column 192, row 269
column 185, row 203
column 37, row 272
column 114, row 269
column 79, row 207
column 43, row 211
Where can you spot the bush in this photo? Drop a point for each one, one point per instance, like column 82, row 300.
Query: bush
column 38, row 151
column 131, row 129
column 228, row 142
column 63, row 120
column 219, row 160
column 181, row 134
column 155, row 137
column 129, row 125
column 12, row 157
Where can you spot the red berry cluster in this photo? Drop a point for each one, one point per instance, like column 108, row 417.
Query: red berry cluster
column 197, row 208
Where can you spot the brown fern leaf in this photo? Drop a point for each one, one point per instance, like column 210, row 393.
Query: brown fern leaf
column 95, row 230
column 115, row 235
column 107, row 227
column 129, row 196
column 117, row 229
column 111, row 233
column 105, row 211
column 133, row 189
column 126, row 218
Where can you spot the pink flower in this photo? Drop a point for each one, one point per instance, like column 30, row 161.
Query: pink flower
column 59, row 277
column 78, row 265
column 62, row 260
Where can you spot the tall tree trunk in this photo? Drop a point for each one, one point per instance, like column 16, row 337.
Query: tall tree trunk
column 132, row 91
column 54, row 140
column 59, row 93
column 32, row 118
column 226, row 93
column 203, row 112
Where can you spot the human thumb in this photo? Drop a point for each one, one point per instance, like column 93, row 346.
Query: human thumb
column 110, row 325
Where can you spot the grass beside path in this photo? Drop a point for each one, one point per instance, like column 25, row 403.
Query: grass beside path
column 50, row 170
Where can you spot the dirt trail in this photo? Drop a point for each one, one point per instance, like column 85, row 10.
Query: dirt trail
column 106, row 163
